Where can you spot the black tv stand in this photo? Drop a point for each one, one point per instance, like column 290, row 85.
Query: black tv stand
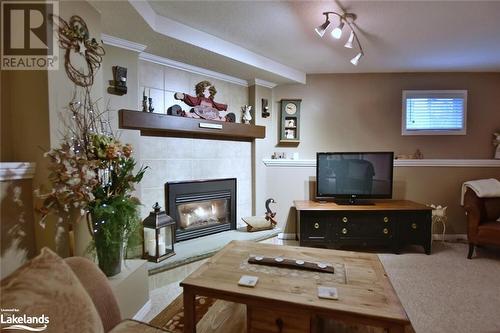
column 389, row 223
column 353, row 202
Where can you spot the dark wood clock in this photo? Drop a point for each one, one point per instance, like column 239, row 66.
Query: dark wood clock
column 290, row 121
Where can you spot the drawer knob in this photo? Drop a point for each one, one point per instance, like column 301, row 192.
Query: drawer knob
column 344, row 231
column 414, row 225
column 386, row 219
column 386, row 231
column 316, row 225
column 344, row 219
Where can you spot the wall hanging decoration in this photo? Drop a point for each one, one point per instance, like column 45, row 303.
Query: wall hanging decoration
column 118, row 86
column 203, row 104
column 265, row 108
column 74, row 39
column 343, row 19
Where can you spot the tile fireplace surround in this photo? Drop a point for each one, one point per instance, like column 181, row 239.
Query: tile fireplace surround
column 182, row 159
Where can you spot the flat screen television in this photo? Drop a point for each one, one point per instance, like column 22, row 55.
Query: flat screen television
column 345, row 177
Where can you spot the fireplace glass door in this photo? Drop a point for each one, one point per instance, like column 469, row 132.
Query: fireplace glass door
column 203, row 213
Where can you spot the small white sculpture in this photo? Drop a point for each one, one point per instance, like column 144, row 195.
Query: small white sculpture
column 496, row 142
column 245, row 109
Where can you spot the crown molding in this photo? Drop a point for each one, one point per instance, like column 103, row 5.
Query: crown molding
column 262, row 83
column 192, row 69
column 17, row 170
column 201, row 39
column 397, row 163
column 122, row 43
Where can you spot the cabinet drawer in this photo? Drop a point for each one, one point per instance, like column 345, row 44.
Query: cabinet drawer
column 415, row 226
column 315, row 226
column 262, row 320
column 365, row 225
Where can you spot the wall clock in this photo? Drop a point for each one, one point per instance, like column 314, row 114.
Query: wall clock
column 290, row 121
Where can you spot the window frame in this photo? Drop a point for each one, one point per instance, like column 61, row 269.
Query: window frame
column 433, row 93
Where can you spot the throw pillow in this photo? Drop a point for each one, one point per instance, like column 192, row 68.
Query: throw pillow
column 45, row 291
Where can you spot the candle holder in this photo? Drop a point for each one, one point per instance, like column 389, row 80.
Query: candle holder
column 159, row 235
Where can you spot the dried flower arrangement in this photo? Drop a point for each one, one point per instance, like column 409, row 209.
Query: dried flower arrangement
column 93, row 174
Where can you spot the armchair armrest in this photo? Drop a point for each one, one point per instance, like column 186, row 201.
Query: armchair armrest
column 474, row 209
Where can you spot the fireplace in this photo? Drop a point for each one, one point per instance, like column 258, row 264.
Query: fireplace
column 201, row 207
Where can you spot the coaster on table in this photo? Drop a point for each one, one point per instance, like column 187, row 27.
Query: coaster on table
column 328, row 292
column 248, row 281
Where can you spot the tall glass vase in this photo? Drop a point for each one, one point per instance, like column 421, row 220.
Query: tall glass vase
column 109, row 244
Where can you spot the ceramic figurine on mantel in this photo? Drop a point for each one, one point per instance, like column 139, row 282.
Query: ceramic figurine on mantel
column 150, row 100
column 247, row 116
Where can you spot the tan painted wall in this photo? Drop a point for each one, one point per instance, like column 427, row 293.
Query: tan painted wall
column 362, row 112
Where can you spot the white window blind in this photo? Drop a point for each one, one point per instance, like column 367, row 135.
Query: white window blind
column 434, row 112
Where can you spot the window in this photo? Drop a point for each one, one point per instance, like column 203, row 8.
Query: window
column 434, row 112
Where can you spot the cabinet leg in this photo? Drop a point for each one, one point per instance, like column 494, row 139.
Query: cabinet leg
column 471, row 251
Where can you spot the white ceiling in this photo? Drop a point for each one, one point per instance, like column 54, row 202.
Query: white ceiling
column 397, row 36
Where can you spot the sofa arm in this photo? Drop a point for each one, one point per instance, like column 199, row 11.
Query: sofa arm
column 475, row 212
column 96, row 284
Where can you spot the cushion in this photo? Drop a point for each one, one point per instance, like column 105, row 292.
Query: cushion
column 132, row 326
column 46, row 286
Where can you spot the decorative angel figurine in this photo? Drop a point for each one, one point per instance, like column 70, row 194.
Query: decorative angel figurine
column 245, row 109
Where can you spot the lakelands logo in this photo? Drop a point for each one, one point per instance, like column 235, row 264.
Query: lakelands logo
column 28, row 35
column 10, row 319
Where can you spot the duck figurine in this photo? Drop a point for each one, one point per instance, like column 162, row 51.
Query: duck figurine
column 268, row 221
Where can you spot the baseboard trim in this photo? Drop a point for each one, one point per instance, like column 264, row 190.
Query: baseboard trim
column 141, row 314
column 450, row 237
column 287, row 236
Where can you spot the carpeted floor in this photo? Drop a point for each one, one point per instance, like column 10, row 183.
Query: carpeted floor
column 445, row 292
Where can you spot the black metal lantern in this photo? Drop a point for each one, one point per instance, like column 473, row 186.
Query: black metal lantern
column 159, row 235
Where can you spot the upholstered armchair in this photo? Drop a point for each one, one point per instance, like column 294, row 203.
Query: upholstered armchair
column 482, row 225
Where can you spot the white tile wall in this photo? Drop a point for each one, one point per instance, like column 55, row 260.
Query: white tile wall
column 178, row 159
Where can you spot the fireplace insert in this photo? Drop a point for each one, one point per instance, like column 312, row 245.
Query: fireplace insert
column 201, row 207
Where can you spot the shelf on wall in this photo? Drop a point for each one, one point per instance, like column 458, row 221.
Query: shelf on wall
column 478, row 163
column 156, row 124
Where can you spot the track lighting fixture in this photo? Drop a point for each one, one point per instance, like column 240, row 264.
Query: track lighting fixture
column 345, row 18
column 348, row 44
column 337, row 32
column 322, row 28
column 355, row 60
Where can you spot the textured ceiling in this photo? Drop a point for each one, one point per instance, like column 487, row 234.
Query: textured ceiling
column 398, row 36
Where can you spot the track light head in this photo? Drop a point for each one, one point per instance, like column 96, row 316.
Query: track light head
column 348, row 44
column 322, row 28
column 355, row 60
column 337, row 32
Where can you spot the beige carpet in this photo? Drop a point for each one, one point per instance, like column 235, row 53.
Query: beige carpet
column 445, row 292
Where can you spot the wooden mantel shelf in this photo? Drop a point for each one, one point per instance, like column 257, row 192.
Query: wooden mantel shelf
column 155, row 124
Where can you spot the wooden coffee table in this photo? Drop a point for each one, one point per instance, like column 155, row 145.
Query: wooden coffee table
column 286, row 300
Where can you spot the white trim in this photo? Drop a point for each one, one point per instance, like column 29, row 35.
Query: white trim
column 201, row 39
column 190, row 68
column 450, row 237
column 433, row 93
column 122, row 43
column 262, row 83
column 142, row 313
column 17, row 170
column 287, row 236
column 397, row 163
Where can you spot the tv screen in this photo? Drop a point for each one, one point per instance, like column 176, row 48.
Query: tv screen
column 354, row 175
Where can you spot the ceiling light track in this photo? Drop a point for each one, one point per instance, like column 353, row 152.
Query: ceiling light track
column 344, row 19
